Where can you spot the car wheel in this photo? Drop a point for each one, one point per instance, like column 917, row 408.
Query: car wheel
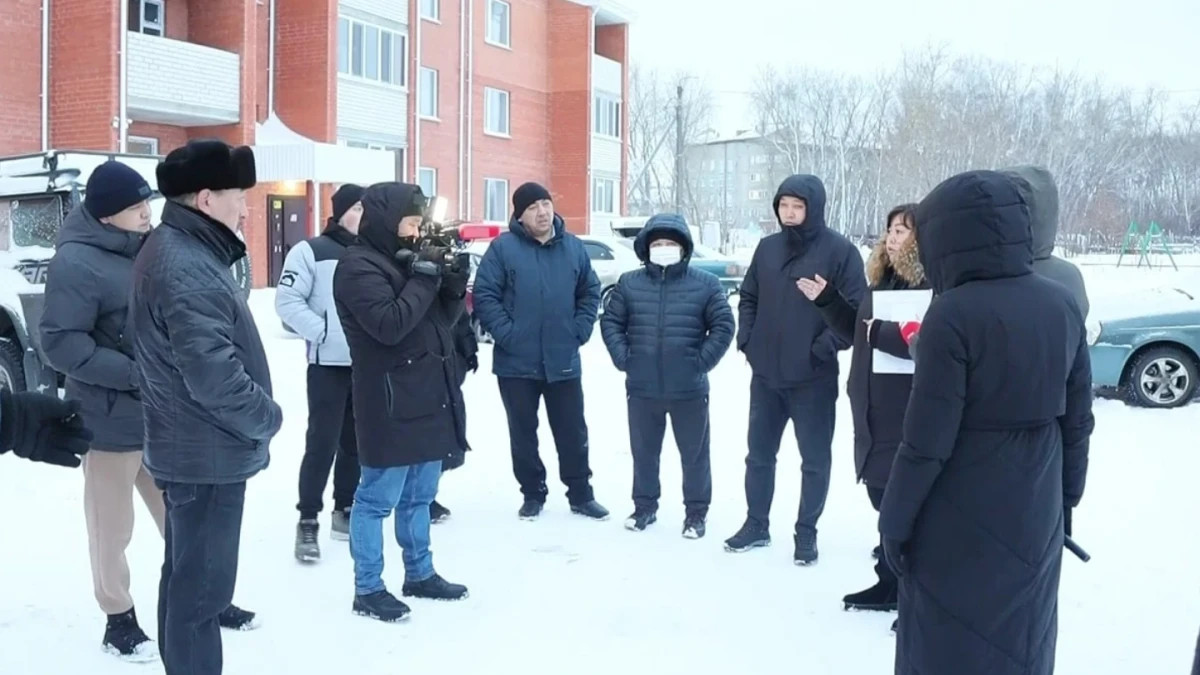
column 12, row 368
column 1162, row 377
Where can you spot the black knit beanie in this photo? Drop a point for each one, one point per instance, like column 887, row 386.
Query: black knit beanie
column 112, row 188
column 526, row 196
column 346, row 196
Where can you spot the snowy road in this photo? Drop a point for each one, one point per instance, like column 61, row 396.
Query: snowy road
column 565, row 595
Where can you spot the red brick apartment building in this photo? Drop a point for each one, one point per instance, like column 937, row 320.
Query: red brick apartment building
column 469, row 98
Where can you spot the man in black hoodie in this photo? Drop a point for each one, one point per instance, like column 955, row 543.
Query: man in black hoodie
column 793, row 355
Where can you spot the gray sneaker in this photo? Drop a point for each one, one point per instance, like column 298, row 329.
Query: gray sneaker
column 339, row 525
column 307, row 548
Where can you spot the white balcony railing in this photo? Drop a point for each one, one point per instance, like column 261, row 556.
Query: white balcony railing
column 181, row 83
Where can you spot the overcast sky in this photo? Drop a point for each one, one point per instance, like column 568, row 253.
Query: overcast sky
column 1129, row 42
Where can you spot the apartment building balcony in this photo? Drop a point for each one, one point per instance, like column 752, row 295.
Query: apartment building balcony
column 181, row 83
column 608, row 80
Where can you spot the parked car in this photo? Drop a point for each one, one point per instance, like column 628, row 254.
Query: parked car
column 1150, row 356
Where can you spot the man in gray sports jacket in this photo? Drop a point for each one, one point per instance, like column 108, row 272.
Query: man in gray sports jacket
column 304, row 302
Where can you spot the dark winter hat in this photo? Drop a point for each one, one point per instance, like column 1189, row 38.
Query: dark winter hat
column 346, row 196
column 114, row 187
column 206, row 164
column 527, row 195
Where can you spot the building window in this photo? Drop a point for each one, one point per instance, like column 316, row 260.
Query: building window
column 427, row 93
column 606, row 114
column 499, row 26
column 604, row 195
column 372, row 53
column 495, row 112
column 495, row 200
column 427, row 179
column 146, row 16
column 399, row 153
column 430, row 10
column 141, row 145
column 757, row 194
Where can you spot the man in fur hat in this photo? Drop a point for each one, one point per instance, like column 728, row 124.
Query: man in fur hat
column 206, row 391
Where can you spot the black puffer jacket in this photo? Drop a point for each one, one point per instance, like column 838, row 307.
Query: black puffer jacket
column 666, row 328
column 205, row 382
column 83, row 327
column 877, row 400
column 781, row 332
column 408, row 406
column 995, row 442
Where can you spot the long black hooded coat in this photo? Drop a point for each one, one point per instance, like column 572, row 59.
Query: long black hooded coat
column 408, row 407
column 995, row 442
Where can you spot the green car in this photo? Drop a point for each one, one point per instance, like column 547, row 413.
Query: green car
column 1149, row 357
column 728, row 270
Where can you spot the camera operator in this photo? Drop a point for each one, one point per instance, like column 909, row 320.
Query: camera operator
column 398, row 295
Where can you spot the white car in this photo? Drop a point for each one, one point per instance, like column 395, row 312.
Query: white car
column 610, row 259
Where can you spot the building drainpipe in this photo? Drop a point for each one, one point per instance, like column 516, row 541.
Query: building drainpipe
column 470, row 135
column 462, row 85
column 123, row 105
column 45, row 75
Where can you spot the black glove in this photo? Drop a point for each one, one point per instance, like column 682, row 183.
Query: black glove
column 893, row 550
column 454, row 284
column 42, row 428
column 1067, row 520
column 434, row 254
column 417, row 263
column 473, row 363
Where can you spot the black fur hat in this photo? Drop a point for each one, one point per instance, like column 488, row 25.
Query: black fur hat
column 205, row 164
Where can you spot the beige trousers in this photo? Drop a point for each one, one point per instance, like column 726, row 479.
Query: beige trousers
column 109, row 479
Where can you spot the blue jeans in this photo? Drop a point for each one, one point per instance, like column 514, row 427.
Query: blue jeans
column 407, row 490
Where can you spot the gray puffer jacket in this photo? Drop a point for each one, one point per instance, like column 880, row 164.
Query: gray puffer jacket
column 83, row 327
column 304, row 297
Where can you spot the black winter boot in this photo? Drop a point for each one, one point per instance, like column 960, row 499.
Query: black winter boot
column 640, row 520
column 236, row 618
column 530, row 510
column 434, row 588
column 881, row 597
column 438, row 513
column 752, row 535
column 590, row 509
column 806, row 547
column 381, row 606
column 124, row 638
column 694, row 527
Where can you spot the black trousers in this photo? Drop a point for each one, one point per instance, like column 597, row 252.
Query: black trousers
column 564, row 408
column 203, row 532
column 689, row 423
column 812, row 410
column 330, row 435
column 883, row 569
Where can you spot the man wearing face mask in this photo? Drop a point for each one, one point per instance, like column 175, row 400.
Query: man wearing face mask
column 398, row 304
column 793, row 356
column 666, row 326
column 536, row 293
column 304, row 301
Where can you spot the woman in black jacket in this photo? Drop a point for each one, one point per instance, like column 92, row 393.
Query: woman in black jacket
column 877, row 400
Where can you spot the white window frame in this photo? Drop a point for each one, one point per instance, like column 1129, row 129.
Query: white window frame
column 606, row 116
column 433, row 182
column 502, row 41
column 604, row 195
column 161, row 26
column 435, row 15
column 396, row 38
column 145, row 140
column 489, row 123
column 423, row 91
column 488, row 184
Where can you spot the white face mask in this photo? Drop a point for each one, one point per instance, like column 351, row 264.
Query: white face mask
column 665, row 255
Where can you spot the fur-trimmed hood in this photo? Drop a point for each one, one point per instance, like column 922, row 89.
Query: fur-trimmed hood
column 907, row 264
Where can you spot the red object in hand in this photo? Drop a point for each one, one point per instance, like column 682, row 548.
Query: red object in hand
column 908, row 329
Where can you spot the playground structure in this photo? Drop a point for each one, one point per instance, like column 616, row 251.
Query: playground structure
column 1143, row 244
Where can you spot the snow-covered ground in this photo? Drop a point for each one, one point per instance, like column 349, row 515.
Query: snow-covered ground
column 565, row 595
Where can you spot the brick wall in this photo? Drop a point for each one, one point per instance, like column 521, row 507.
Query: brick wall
column 21, row 77
column 306, row 67
column 83, row 74
column 176, row 13
column 439, row 145
column 570, row 99
column 169, row 137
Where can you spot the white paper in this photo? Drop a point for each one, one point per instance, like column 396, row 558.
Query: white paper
column 898, row 306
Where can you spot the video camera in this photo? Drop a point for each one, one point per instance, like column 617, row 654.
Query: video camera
column 436, row 237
